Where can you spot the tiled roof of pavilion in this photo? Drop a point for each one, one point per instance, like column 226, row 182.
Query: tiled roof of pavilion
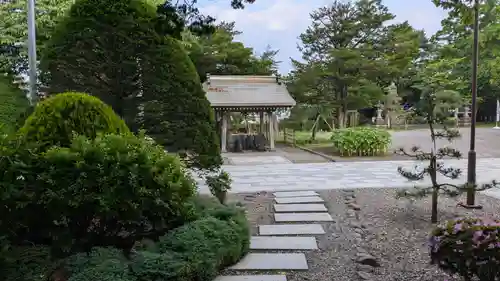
column 247, row 91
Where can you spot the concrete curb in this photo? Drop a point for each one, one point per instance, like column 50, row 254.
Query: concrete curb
column 327, row 157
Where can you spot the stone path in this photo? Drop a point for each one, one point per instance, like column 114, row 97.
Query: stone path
column 323, row 176
column 283, row 237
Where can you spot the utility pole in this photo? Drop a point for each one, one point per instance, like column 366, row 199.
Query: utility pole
column 471, row 161
column 32, row 52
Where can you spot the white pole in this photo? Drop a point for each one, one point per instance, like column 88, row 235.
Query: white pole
column 32, row 52
column 498, row 116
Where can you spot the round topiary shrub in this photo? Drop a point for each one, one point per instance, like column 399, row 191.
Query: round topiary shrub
column 57, row 119
column 469, row 247
column 362, row 141
column 109, row 191
column 177, row 113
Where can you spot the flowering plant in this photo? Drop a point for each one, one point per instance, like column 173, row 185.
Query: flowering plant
column 469, row 247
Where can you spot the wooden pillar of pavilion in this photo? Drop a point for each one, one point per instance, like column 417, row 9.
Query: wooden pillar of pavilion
column 270, row 119
column 223, row 133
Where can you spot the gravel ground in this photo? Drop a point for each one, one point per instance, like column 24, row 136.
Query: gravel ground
column 389, row 232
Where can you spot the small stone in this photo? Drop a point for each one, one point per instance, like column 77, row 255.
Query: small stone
column 357, row 235
column 355, row 224
column 354, row 207
column 361, row 250
column 364, row 268
column 367, row 259
column 364, row 275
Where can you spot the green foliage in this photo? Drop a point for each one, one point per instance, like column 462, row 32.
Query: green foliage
column 434, row 107
column 177, row 113
column 468, row 247
column 31, row 263
column 219, row 184
column 195, row 251
column 13, row 26
column 361, row 141
column 112, row 190
column 57, row 119
column 218, row 53
column 95, row 49
column 12, row 101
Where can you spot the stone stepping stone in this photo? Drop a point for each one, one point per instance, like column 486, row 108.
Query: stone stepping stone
column 252, row 278
column 295, row 194
column 291, row 229
column 302, row 217
column 284, row 208
column 268, row 261
column 291, row 200
column 283, row 243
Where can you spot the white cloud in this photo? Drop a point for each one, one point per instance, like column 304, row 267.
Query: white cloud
column 282, row 15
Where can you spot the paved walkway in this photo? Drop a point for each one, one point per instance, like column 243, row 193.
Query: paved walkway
column 323, row 176
column 297, row 213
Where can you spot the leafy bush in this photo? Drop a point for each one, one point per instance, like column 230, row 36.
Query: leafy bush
column 361, row 141
column 57, row 119
column 32, row 263
column 219, row 185
column 195, row 251
column 112, row 190
column 74, row 60
column 13, row 100
column 177, row 113
column 468, row 247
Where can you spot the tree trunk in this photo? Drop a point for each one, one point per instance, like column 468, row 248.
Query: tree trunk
column 435, row 190
column 340, row 124
column 315, row 127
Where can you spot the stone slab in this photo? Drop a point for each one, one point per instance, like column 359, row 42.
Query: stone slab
column 291, row 229
column 283, row 243
column 295, row 194
column 252, row 278
column 302, row 217
column 291, row 200
column 286, row 208
column 274, row 261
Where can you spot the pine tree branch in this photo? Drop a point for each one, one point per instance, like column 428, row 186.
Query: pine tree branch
column 449, row 172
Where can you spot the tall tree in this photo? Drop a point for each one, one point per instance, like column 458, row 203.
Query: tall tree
column 13, row 29
column 345, row 38
column 220, row 53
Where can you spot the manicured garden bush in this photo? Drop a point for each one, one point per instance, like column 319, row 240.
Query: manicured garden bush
column 95, row 47
column 469, row 247
column 198, row 250
column 177, row 113
column 109, row 191
column 361, row 141
column 57, row 119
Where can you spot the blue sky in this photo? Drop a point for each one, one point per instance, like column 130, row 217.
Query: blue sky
column 278, row 23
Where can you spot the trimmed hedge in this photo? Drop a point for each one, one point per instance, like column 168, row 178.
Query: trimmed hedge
column 362, row 141
column 198, row 250
column 469, row 247
column 177, row 113
column 109, row 191
column 57, row 119
column 195, row 251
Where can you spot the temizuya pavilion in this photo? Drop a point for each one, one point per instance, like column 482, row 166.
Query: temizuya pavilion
column 247, row 94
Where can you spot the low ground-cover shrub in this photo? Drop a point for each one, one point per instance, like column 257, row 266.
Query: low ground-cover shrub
column 197, row 250
column 469, row 247
column 362, row 141
column 112, row 190
column 57, row 119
